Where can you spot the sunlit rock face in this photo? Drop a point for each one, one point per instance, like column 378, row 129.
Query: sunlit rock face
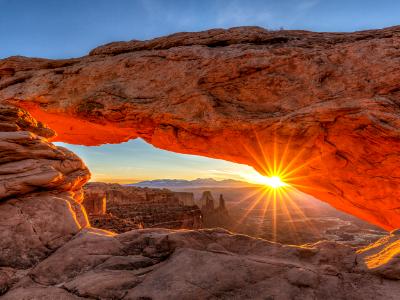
column 324, row 107
column 95, row 201
column 40, row 191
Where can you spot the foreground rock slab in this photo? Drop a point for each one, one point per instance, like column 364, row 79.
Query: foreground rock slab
column 324, row 106
column 202, row 264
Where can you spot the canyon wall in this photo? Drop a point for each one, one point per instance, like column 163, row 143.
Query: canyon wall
column 186, row 198
column 215, row 214
column 131, row 207
column 95, row 201
column 321, row 108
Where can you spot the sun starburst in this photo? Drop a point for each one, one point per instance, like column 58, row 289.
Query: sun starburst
column 274, row 181
column 284, row 172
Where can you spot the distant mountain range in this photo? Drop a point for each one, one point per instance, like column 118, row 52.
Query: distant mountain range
column 199, row 182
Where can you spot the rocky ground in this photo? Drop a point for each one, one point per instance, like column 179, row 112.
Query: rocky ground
column 204, row 264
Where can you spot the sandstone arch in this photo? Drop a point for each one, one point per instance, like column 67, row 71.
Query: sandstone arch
column 328, row 102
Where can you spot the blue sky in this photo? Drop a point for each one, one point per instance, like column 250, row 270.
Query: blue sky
column 69, row 28
column 59, row 29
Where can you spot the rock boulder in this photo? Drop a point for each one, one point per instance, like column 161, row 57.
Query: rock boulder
column 40, row 191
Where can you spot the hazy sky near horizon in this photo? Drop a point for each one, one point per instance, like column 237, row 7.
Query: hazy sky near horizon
column 62, row 29
column 136, row 161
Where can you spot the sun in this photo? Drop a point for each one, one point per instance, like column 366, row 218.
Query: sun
column 275, row 182
column 272, row 182
column 279, row 174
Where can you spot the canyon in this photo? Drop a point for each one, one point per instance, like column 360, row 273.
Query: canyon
column 122, row 208
column 296, row 220
column 322, row 107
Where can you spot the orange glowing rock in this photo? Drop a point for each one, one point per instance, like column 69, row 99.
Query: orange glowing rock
column 324, row 106
column 382, row 257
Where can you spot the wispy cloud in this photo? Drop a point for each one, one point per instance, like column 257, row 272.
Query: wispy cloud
column 301, row 10
column 161, row 12
column 266, row 13
column 237, row 14
column 307, row 5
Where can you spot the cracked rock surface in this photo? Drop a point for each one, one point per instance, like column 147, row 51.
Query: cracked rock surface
column 324, row 106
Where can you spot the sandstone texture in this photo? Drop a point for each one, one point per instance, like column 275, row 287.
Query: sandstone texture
column 203, row 264
column 322, row 107
column 131, row 207
column 40, row 191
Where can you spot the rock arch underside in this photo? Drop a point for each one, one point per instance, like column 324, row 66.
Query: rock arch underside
column 324, row 108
